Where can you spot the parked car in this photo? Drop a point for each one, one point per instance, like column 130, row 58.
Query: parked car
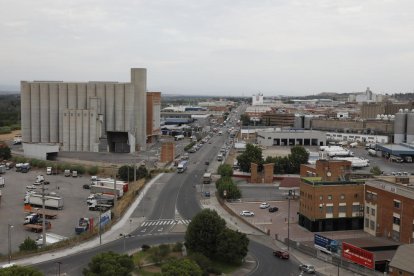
column 86, row 186
column 246, row 213
column 207, row 163
column 273, row 209
column 281, row 254
column 207, row 194
column 307, row 268
column 264, row 205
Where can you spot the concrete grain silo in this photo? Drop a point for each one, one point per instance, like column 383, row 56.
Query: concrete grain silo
column 86, row 116
column 298, row 122
column 410, row 127
column 307, row 122
column 400, row 130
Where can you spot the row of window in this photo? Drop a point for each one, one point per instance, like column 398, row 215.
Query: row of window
column 372, row 211
column 321, row 197
column 369, row 224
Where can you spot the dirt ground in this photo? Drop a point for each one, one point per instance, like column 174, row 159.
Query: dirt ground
column 9, row 136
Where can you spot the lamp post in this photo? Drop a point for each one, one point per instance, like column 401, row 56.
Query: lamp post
column 288, row 241
column 9, row 226
column 58, row 263
column 100, row 227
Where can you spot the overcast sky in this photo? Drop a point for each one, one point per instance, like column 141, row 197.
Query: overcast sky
column 217, row 47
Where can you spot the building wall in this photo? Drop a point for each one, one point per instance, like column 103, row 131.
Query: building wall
column 153, row 115
column 121, row 107
column 398, row 272
column 382, row 199
column 371, row 110
column 328, row 170
column 167, row 152
column 378, row 126
column 278, row 119
column 267, row 138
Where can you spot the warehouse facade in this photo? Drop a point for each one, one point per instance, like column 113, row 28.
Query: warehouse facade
column 86, row 116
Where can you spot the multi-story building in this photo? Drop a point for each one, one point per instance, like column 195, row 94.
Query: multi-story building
column 372, row 110
column 278, row 119
column 282, row 137
column 86, row 116
column 402, row 263
column 389, row 210
column 329, row 200
column 153, row 116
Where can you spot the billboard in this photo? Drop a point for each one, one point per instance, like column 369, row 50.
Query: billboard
column 358, row 255
column 105, row 218
column 325, row 244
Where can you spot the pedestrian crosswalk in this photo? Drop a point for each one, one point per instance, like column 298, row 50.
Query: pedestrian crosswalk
column 165, row 222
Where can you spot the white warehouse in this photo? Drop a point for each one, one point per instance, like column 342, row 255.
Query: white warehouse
column 86, row 116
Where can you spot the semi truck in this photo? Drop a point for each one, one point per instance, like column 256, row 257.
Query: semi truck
column 109, row 182
column 54, row 202
column 95, row 189
column 95, row 206
column 101, row 198
column 182, row 166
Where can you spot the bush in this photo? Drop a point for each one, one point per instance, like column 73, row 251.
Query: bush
column 28, row 245
column 145, row 247
column 178, row 247
column 214, row 270
column 79, row 168
column 5, row 130
column 5, row 152
column 34, row 162
column 225, row 170
column 203, row 262
column 93, row 170
column 164, row 250
column 189, row 146
column 41, row 164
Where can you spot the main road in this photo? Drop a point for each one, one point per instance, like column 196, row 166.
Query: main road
column 171, row 201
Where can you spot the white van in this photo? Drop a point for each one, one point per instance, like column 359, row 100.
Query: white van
column 220, row 157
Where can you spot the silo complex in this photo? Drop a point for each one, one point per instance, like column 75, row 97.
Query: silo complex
column 410, row 127
column 92, row 116
column 400, row 127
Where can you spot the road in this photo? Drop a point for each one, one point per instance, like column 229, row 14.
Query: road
column 171, row 201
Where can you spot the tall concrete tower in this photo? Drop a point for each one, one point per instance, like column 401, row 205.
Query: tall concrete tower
column 139, row 81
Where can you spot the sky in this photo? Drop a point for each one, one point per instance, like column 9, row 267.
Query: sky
column 213, row 47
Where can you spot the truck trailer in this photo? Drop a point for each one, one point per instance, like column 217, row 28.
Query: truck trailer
column 106, row 190
column 54, row 202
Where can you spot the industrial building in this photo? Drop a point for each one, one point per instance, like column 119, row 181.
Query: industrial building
column 404, row 126
column 153, row 116
column 257, row 99
column 357, row 137
column 371, row 110
column 282, row 137
column 405, row 151
column 329, row 200
column 278, row 119
column 86, row 116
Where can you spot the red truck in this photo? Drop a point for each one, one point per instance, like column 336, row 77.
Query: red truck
column 281, row 254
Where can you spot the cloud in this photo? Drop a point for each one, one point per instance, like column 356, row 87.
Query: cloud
column 215, row 46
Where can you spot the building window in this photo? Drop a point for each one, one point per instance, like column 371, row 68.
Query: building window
column 368, row 195
column 329, row 209
column 397, row 204
column 321, row 197
column 355, row 208
column 366, row 223
column 396, row 220
column 367, row 210
column 329, row 197
column 395, row 235
column 355, row 195
column 342, row 196
column 342, row 209
column 373, row 211
column 371, row 225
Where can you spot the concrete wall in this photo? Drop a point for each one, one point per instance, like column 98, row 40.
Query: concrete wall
column 39, row 151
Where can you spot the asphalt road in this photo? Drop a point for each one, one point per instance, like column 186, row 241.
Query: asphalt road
column 176, row 197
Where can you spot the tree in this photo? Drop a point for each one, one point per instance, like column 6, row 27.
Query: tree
column 232, row 246
column 126, row 171
column 375, row 170
column 202, row 232
column 225, row 170
column 108, row 264
column 245, row 119
column 252, row 154
column 298, row 156
column 28, row 245
column 226, row 184
column 20, row 270
column 5, row 152
column 181, row 267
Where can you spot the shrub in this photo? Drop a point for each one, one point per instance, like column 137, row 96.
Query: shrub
column 164, row 250
column 79, row 168
column 28, row 245
column 178, row 247
column 41, row 164
column 5, row 130
column 93, row 170
column 203, row 262
column 145, row 247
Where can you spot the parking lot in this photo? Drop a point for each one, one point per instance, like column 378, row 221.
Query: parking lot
column 12, row 203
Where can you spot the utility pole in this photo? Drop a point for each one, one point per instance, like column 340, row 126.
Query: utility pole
column 288, row 241
column 43, row 214
column 9, row 226
column 99, row 228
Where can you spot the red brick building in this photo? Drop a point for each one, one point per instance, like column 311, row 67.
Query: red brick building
column 329, row 200
column 389, row 211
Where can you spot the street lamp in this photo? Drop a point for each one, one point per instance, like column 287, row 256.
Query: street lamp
column 288, row 241
column 58, row 263
column 9, row 226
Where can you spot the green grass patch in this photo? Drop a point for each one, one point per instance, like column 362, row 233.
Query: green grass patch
column 225, row 267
